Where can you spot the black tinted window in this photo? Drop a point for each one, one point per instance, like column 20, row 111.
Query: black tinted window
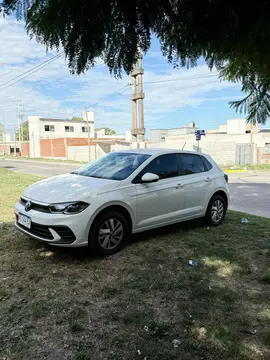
column 192, row 164
column 164, row 166
column 207, row 164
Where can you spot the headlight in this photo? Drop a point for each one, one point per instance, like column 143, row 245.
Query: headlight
column 68, row 208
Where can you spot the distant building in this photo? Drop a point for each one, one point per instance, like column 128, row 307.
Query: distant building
column 46, row 128
column 160, row 135
column 234, row 127
column 4, row 136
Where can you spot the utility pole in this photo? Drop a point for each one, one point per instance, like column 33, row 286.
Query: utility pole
column 19, row 117
column 14, row 129
column 138, row 130
column 88, row 133
column 251, row 100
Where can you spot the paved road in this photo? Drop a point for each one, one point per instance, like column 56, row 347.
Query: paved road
column 250, row 192
column 38, row 168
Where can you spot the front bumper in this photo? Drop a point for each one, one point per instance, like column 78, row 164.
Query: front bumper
column 54, row 229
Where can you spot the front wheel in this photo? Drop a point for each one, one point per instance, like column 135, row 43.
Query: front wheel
column 216, row 210
column 109, row 233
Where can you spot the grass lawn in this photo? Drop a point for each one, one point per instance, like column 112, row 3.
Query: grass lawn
column 144, row 303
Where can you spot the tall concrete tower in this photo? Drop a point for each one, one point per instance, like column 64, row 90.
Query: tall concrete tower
column 138, row 129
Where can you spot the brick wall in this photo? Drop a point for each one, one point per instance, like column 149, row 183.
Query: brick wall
column 25, row 148
column 77, row 142
column 53, row 148
column 4, row 149
column 45, row 148
column 264, row 155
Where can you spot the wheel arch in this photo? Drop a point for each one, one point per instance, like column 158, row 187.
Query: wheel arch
column 223, row 194
column 115, row 206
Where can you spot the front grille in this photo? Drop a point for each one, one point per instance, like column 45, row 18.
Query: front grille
column 35, row 206
column 66, row 234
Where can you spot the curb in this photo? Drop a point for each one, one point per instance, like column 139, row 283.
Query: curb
column 234, row 171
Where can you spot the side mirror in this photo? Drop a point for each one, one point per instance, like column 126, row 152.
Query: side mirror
column 149, row 178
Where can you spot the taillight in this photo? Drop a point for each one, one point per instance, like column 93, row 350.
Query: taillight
column 226, row 178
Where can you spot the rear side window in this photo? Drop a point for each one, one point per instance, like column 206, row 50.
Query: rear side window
column 207, row 164
column 192, row 164
column 165, row 166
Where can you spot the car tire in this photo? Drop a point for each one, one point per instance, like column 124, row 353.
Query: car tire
column 216, row 210
column 109, row 233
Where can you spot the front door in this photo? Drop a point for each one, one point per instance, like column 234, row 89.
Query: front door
column 162, row 201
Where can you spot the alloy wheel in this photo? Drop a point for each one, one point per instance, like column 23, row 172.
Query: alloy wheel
column 217, row 211
column 110, row 234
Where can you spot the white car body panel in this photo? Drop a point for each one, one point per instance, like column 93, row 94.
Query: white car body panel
column 150, row 205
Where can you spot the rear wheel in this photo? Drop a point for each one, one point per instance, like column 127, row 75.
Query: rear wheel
column 216, row 210
column 109, row 233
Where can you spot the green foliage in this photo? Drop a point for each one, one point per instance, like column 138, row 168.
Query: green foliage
column 24, row 132
column 233, row 35
column 108, row 131
column 76, row 118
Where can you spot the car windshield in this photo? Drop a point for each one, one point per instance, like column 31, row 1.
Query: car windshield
column 114, row 166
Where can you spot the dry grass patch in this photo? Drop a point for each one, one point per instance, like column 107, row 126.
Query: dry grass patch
column 145, row 302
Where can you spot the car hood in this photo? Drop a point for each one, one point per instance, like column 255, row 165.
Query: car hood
column 68, row 187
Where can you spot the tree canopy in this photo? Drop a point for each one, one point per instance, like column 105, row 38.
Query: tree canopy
column 24, row 135
column 76, row 118
column 108, row 131
column 232, row 36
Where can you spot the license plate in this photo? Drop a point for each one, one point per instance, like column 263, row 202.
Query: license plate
column 24, row 220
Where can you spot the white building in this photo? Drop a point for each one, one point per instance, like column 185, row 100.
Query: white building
column 45, row 128
column 161, row 135
column 4, row 136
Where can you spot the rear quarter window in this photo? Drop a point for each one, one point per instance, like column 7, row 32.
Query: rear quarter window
column 207, row 164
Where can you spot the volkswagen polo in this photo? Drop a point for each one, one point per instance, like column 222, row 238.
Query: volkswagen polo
column 122, row 193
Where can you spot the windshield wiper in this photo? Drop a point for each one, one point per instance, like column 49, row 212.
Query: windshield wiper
column 96, row 177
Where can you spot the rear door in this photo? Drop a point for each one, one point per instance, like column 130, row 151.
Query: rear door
column 160, row 202
column 196, row 180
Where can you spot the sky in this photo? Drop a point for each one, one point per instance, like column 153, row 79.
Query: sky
column 173, row 97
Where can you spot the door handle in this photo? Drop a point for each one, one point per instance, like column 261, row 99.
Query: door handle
column 208, row 179
column 179, row 186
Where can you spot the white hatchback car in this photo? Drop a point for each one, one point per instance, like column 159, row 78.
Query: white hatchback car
column 104, row 202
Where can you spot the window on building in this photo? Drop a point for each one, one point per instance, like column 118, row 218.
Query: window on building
column 84, row 129
column 192, row 164
column 69, row 128
column 165, row 166
column 49, row 128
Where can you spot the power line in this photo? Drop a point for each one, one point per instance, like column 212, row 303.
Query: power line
column 58, row 81
column 180, row 79
column 34, row 69
column 11, row 70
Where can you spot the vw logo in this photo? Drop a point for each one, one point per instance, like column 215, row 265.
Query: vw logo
column 28, row 206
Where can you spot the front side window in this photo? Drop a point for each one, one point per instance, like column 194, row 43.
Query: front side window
column 114, row 166
column 192, row 164
column 69, row 128
column 165, row 166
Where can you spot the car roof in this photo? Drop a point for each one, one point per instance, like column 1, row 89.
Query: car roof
column 156, row 151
